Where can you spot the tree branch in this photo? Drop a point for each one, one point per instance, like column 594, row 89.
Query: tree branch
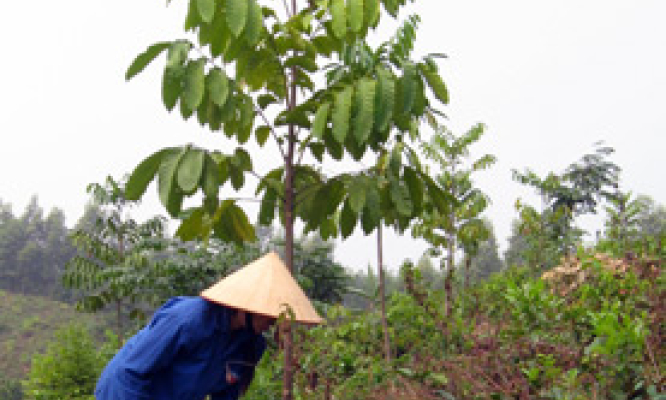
column 268, row 124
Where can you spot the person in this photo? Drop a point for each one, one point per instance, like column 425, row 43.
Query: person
column 207, row 345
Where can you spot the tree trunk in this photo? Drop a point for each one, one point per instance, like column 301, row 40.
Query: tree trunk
column 121, row 252
column 288, row 377
column 382, row 295
column 119, row 322
column 448, row 281
column 468, row 270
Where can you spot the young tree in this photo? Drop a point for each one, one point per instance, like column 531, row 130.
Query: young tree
column 253, row 62
column 576, row 192
column 487, row 260
column 69, row 367
column 113, row 258
column 634, row 225
column 622, row 221
column 459, row 223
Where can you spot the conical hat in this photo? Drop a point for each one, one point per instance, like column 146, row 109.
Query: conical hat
column 266, row 287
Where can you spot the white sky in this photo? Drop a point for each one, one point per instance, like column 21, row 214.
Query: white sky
column 548, row 78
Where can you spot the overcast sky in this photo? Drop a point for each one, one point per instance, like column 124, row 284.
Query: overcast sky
column 548, row 78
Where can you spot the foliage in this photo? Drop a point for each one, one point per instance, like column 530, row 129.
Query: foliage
column 457, row 225
column 27, row 324
column 33, row 250
column 575, row 192
column 69, row 368
column 460, row 225
column 363, row 100
column 634, row 226
column 10, row 389
column 510, row 336
column 113, row 254
column 367, row 94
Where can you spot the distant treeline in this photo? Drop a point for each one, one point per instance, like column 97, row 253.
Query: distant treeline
column 34, row 250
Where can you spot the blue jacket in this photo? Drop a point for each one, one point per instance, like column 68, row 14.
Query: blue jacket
column 182, row 354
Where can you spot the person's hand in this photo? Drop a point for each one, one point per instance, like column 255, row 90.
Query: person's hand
column 231, row 378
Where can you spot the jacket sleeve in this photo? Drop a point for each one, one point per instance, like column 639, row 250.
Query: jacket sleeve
column 158, row 343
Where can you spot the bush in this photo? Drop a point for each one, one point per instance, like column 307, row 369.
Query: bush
column 69, row 368
column 10, row 390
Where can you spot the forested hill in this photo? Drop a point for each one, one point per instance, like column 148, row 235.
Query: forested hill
column 28, row 324
column 34, row 249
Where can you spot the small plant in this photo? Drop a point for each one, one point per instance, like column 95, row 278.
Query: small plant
column 69, row 368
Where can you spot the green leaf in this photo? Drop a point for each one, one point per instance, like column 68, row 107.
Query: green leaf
column 365, row 110
column 408, row 87
column 185, row 111
column 242, row 159
column 143, row 174
column 339, row 22
column 237, row 11
column 342, row 113
column 355, row 13
column 220, row 35
column 296, row 117
column 145, row 58
column 247, row 113
column 400, row 197
column 255, row 22
column 420, row 100
column 436, row 195
column 262, row 133
column 265, row 100
column 371, row 12
column 321, row 117
column 333, row 147
column 384, row 102
column 325, row 45
column 204, row 109
column 317, row 150
column 218, row 86
column 436, row 84
column 348, row 220
column 211, row 177
column 329, row 198
column 190, row 170
column 303, row 62
column 328, row 229
column 415, row 187
column 169, row 194
column 267, row 208
column 232, row 223
column 372, row 212
column 192, row 226
column 192, row 19
column 244, row 133
column 206, row 10
column 177, row 54
column 391, row 7
column 194, row 84
column 357, row 190
column 171, row 86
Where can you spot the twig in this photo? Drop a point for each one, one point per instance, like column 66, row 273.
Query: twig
column 268, row 124
column 286, row 9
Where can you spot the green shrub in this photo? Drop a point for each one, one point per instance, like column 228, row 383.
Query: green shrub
column 10, row 390
column 69, row 367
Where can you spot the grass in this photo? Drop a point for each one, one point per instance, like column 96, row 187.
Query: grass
column 28, row 324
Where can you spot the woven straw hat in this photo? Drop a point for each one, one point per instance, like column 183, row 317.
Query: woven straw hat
column 265, row 287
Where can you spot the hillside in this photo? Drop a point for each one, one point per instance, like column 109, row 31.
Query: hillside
column 27, row 324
